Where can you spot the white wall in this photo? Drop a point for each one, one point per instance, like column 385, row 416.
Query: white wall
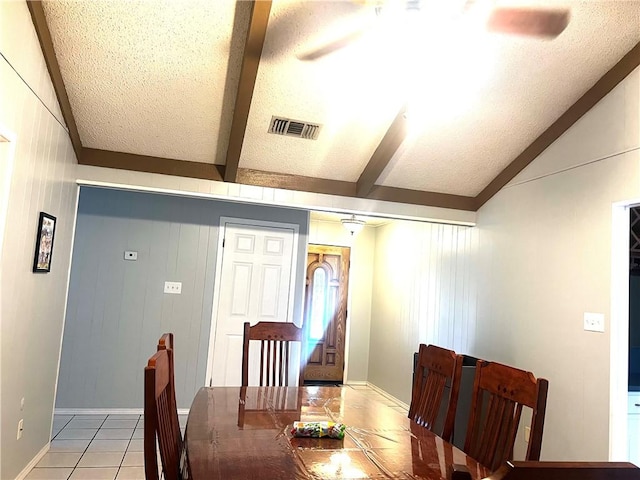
column 424, row 291
column 32, row 309
column 360, row 283
column 545, row 259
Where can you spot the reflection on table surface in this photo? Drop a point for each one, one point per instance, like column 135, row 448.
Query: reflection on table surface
column 244, row 432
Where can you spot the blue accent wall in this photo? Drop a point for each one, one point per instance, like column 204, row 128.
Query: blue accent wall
column 117, row 309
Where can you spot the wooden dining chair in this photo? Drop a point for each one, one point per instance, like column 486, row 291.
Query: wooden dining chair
column 499, row 394
column 166, row 343
column 275, row 352
column 553, row 471
column 436, row 369
column 160, row 420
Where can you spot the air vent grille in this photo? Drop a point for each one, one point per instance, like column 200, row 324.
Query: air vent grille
column 294, row 128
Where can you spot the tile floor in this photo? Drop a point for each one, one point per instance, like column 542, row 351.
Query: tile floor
column 94, row 447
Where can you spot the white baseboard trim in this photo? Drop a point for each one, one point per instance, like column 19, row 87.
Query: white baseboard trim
column 108, row 411
column 99, row 411
column 357, row 383
column 385, row 394
column 25, row 471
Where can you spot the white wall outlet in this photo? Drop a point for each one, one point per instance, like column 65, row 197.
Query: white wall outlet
column 173, row 287
column 594, row 322
column 130, row 255
column 20, row 428
column 527, row 433
column 22, row 404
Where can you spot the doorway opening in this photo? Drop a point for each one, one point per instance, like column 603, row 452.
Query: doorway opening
column 633, row 423
column 620, row 435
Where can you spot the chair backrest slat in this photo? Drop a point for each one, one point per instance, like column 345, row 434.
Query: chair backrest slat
column 284, row 365
column 436, row 369
column 499, row 394
column 276, row 341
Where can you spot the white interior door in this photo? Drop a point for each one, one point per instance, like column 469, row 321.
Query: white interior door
column 255, row 283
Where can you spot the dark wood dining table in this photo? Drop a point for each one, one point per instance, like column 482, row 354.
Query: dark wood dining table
column 245, row 433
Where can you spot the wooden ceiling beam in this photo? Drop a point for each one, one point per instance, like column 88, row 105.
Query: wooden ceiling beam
column 348, row 189
column 245, row 176
column 602, row 87
column 144, row 163
column 46, row 44
column 286, row 181
column 248, row 74
column 419, row 197
column 387, row 148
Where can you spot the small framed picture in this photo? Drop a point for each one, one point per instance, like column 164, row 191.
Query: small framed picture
column 44, row 243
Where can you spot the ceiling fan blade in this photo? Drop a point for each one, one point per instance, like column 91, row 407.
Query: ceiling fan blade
column 332, row 46
column 533, row 22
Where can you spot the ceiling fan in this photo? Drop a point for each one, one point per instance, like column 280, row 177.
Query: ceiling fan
column 528, row 21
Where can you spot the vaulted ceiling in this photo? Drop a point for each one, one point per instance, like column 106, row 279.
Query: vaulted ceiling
column 441, row 114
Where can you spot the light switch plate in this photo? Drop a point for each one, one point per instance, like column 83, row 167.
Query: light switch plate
column 173, row 287
column 594, row 322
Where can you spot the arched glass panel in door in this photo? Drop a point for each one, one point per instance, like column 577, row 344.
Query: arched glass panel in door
column 318, row 314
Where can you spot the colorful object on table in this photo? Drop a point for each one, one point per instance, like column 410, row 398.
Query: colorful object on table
column 318, row 429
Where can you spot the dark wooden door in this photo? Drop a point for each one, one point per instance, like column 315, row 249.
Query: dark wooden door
column 325, row 312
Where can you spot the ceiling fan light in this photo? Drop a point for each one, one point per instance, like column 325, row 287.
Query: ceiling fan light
column 353, row 225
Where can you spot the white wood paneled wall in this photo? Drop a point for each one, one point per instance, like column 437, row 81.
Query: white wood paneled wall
column 43, row 179
column 424, row 291
column 545, row 257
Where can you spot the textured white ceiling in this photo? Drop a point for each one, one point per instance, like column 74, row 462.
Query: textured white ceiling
column 530, row 84
column 345, row 92
column 149, row 77
column 159, row 78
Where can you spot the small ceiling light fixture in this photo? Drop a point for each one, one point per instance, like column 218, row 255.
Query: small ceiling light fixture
column 353, row 224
